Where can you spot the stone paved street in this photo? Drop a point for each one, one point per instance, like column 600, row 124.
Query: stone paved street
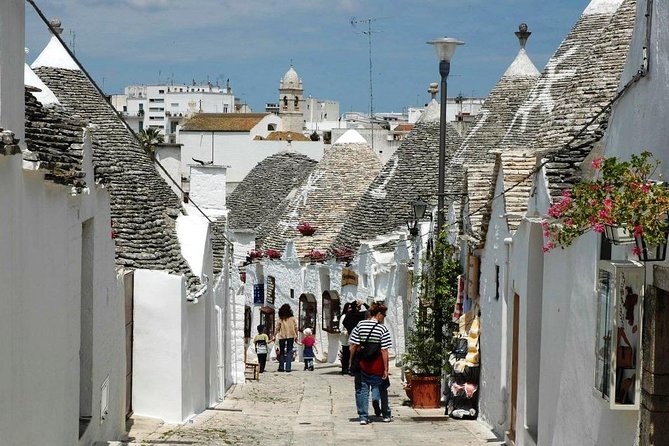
column 307, row 408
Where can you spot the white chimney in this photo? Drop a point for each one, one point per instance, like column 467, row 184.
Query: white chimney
column 207, row 186
column 12, row 58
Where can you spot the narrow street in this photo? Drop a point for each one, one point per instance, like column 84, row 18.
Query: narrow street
column 307, row 408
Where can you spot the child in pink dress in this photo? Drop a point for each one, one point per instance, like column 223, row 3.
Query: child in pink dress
column 308, row 349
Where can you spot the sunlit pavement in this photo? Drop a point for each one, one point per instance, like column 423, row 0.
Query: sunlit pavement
column 308, row 408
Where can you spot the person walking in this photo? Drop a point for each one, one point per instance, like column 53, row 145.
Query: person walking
column 369, row 342
column 260, row 341
column 343, row 337
column 308, row 349
column 286, row 332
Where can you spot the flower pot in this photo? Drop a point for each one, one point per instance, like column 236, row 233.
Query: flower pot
column 424, row 391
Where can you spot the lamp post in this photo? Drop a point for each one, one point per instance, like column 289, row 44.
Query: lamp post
column 418, row 207
column 445, row 48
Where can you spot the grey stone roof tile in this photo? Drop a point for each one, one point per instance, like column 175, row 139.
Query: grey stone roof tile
column 412, row 172
column 255, row 200
column 326, row 198
column 143, row 206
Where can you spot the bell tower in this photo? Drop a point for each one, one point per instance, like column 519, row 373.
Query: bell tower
column 291, row 101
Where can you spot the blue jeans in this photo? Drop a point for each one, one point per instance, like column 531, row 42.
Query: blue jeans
column 363, row 384
column 285, row 354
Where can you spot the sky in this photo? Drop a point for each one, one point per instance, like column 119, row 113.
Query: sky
column 253, row 43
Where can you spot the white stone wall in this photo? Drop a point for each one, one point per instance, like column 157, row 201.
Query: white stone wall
column 169, row 348
column 40, row 310
column 238, row 151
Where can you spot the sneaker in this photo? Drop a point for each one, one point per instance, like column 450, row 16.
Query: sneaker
column 363, row 422
column 386, row 419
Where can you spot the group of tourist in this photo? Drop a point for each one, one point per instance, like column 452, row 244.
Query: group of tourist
column 365, row 342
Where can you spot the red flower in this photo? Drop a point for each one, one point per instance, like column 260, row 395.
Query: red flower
column 597, row 163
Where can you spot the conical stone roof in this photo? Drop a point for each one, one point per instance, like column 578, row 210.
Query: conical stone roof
column 325, row 199
column 410, row 173
column 255, row 200
column 143, row 207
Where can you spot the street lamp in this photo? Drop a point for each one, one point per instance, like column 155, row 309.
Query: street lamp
column 445, row 48
column 418, row 207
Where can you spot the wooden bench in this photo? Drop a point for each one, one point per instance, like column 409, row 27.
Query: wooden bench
column 255, row 369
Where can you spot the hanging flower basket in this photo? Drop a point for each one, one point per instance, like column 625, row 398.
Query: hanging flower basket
column 254, row 255
column 343, row 254
column 306, row 229
column 316, row 255
column 273, row 254
column 623, row 202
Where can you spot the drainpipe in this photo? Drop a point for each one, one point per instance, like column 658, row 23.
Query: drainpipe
column 504, row 391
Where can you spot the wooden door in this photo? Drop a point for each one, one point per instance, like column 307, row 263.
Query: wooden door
column 514, row 368
column 128, row 281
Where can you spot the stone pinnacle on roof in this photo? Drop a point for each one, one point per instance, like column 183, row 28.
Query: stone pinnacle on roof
column 56, row 26
column 522, row 65
column 523, row 34
column 351, row 137
column 433, row 89
column 55, row 55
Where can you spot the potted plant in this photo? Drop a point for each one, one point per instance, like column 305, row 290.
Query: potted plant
column 426, row 356
column 306, row 229
column 317, row 255
column 622, row 200
column 273, row 254
column 254, row 255
column 423, row 361
column 343, row 254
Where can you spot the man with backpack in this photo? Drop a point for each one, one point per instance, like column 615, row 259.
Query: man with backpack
column 369, row 343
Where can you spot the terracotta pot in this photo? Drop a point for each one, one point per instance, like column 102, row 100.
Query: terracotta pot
column 424, row 392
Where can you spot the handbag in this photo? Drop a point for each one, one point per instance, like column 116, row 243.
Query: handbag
column 369, row 351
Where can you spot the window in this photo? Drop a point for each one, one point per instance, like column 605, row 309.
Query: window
column 247, row 321
column 496, row 282
column 618, row 333
column 331, row 311
column 271, row 290
column 307, row 312
column 271, row 127
column 161, row 91
column 267, row 319
column 258, row 293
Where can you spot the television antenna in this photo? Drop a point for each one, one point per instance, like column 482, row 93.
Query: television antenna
column 368, row 33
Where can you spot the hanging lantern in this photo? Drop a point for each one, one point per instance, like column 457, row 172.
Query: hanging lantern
column 618, row 235
column 650, row 253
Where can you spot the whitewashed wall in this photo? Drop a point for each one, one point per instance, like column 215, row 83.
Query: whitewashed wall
column 495, row 340
column 169, row 348
column 40, row 305
column 238, row 150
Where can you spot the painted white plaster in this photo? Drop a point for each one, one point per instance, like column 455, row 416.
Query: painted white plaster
column 42, row 222
column 379, row 192
column 193, row 234
column 602, row 7
column 12, row 54
column 431, row 113
column 168, row 350
column 237, row 150
column 208, row 186
column 45, row 96
column 521, row 66
column 351, row 137
column 55, row 56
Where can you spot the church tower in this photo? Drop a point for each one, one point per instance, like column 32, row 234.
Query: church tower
column 291, row 101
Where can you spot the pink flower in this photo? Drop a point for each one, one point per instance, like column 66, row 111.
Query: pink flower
column 597, row 163
column 598, row 227
column 636, row 251
column 548, row 246
column 544, row 224
column 547, row 234
column 566, row 194
column 645, row 188
column 604, row 213
column 608, row 203
column 569, row 222
column 638, row 230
